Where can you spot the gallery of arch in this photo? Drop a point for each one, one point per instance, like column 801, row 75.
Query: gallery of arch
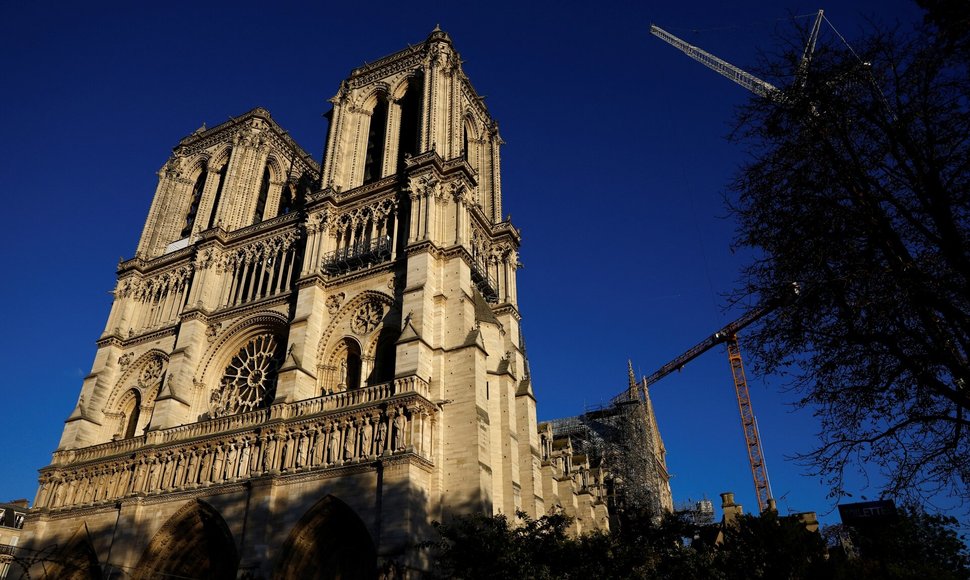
column 306, row 364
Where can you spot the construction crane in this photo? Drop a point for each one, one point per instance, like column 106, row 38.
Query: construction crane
column 752, row 439
column 728, row 334
column 743, row 78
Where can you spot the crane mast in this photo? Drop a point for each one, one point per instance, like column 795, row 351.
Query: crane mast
column 752, row 439
column 728, row 336
column 745, row 79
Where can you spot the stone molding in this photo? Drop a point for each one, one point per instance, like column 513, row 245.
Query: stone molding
column 335, row 431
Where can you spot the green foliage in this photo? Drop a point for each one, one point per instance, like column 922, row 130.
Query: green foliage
column 767, row 546
column 914, row 545
column 479, row 546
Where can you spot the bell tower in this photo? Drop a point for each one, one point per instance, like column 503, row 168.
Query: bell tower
column 301, row 351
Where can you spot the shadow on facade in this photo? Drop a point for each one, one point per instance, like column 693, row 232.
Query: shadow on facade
column 222, row 537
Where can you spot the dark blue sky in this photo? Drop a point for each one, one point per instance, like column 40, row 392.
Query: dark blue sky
column 615, row 168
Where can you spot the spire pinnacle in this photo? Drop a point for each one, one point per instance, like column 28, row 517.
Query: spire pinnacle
column 633, row 380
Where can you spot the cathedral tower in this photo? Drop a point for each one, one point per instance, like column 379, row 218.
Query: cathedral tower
column 304, row 365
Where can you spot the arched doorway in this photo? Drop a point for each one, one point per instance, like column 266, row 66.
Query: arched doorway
column 328, row 543
column 77, row 560
column 194, row 543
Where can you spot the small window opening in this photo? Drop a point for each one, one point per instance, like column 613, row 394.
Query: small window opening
column 194, row 205
column 410, row 119
column 261, row 200
column 131, row 415
column 286, row 199
column 375, row 141
column 218, row 195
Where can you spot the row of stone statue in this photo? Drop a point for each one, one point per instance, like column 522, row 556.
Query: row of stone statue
column 326, row 444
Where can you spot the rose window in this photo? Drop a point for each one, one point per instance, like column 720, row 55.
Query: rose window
column 250, row 379
column 367, row 318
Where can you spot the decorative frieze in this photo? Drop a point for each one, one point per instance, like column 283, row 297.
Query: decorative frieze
column 322, row 433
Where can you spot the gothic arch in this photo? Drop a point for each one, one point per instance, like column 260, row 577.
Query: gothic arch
column 220, row 156
column 77, row 560
column 276, row 171
column 340, row 325
column 366, row 319
column 244, row 341
column 400, row 86
column 367, row 99
column 133, row 376
column 222, row 349
column 344, row 368
column 329, row 542
column 194, row 543
column 141, row 382
column 473, row 125
column 131, row 411
column 197, row 163
column 472, row 140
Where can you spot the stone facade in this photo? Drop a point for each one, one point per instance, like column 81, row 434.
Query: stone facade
column 305, row 365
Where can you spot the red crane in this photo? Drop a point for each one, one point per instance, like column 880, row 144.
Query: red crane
column 729, row 337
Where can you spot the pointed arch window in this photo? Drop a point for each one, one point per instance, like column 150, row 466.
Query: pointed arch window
column 261, row 199
column 194, row 204
column 218, row 195
column 347, row 366
column 287, row 202
column 374, row 162
column 410, row 119
column 130, row 415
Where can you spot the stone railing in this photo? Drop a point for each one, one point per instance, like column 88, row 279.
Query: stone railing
column 205, row 428
column 194, row 456
column 355, row 397
column 111, row 448
column 232, row 423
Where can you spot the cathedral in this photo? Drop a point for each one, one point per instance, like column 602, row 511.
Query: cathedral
column 306, row 364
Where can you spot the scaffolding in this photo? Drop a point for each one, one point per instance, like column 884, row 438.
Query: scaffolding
column 623, row 440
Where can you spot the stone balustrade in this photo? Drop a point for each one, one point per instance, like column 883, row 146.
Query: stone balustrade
column 323, row 433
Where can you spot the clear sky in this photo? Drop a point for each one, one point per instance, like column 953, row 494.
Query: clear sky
column 615, row 168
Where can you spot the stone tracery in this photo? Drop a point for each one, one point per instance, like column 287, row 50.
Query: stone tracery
column 249, row 382
column 367, row 317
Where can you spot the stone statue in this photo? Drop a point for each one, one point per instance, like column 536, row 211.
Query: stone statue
column 268, row 459
column 231, row 456
column 400, row 423
column 217, row 464
column 350, row 440
column 288, row 444
column 317, row 452
column 301, row 450
column 381, row 439
column 244, row 459
column 333, row 448
column 342, row 383
column 58, row 495
column 191, row 477
column 365, row 435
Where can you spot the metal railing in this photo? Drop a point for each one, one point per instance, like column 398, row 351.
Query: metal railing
column 357, row 256
column 484, row 282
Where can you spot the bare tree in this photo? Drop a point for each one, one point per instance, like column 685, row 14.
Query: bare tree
column 858, row 188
